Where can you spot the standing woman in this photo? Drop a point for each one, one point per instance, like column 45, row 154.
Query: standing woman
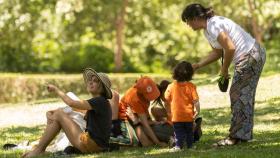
column 232, row 42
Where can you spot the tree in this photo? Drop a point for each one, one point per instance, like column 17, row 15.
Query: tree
column 120, row 23
column 122, row 35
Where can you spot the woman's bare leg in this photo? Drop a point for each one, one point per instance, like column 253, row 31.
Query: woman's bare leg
column 71, row 129
column 60, row 120
column 50, row 132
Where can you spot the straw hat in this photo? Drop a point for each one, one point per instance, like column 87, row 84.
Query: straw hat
column 89, row 72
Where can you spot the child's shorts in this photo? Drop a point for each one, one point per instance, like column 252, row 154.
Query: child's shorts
column 89, row 144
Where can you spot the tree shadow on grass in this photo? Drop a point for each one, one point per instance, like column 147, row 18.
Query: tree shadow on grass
column 222, row 116
column 265, row 143
column 217, row 116
column 19, row 133
column 16, row 135
column 14, row 130
column 274, row 101
column 272, row 106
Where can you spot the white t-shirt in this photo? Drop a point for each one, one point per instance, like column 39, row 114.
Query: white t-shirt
column 242, row 40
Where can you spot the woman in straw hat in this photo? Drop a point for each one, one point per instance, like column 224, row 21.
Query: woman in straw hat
column 98, row 117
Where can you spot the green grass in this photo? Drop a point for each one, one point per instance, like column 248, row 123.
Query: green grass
column 266, row 141
column 216, row 121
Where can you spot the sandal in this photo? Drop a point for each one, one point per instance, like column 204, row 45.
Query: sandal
column 226, row 142
column 9, row 146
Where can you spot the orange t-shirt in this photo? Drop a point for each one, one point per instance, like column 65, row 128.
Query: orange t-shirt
column 180, row 97
column 137, row 103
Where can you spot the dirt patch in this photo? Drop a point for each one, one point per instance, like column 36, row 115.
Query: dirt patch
column 25, row 114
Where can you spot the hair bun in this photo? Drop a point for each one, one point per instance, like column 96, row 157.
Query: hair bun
column 209, row 12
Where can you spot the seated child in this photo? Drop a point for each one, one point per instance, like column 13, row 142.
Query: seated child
column 137, row 98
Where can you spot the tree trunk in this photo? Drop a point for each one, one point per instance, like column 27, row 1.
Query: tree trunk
column 120, row 23
column 257, row 31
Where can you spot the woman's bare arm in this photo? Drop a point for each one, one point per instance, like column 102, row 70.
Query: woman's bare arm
column 229, row 48
column 148, row 130
column 214, row 55
column 81, row 104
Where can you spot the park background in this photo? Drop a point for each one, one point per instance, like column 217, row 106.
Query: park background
column 52, row 41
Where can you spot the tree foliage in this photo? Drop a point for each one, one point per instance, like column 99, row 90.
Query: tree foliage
column 68, row 35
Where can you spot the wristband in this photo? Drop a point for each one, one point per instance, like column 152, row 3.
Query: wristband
column 136, row 125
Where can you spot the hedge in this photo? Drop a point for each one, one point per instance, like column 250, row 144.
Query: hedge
column 24, row 88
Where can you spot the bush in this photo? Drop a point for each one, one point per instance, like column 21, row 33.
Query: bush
column 78, row 57
column 23, row 88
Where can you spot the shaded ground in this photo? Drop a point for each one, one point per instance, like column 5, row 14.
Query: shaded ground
column 266, row 142
column 216, row 120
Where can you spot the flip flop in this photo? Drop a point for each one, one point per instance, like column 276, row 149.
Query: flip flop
column 226, row 142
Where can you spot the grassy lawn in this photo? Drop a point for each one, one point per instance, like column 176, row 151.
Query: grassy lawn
column 266, row 142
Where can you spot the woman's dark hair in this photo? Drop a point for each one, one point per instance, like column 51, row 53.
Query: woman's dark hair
column 183, row 72
column 103, row 93
column 196, row 10
column 162, row 87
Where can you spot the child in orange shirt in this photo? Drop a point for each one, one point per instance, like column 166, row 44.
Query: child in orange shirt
column 138, row 99
column 182, row 97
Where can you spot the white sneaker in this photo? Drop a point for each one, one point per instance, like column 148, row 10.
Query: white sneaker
column 175, row 149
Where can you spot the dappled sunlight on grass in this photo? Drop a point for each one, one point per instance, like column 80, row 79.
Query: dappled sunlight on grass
column 217, row 116
column 268, row 118
column 216, row 130
column 159, row 151
column 267, row 127
column 215, row 125
column 268, row 102
column 16, row 134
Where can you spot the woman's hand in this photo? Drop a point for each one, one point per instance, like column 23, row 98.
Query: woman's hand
column 195, row 66
column 50, row 117
column 51, row 88
column 224, row 72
